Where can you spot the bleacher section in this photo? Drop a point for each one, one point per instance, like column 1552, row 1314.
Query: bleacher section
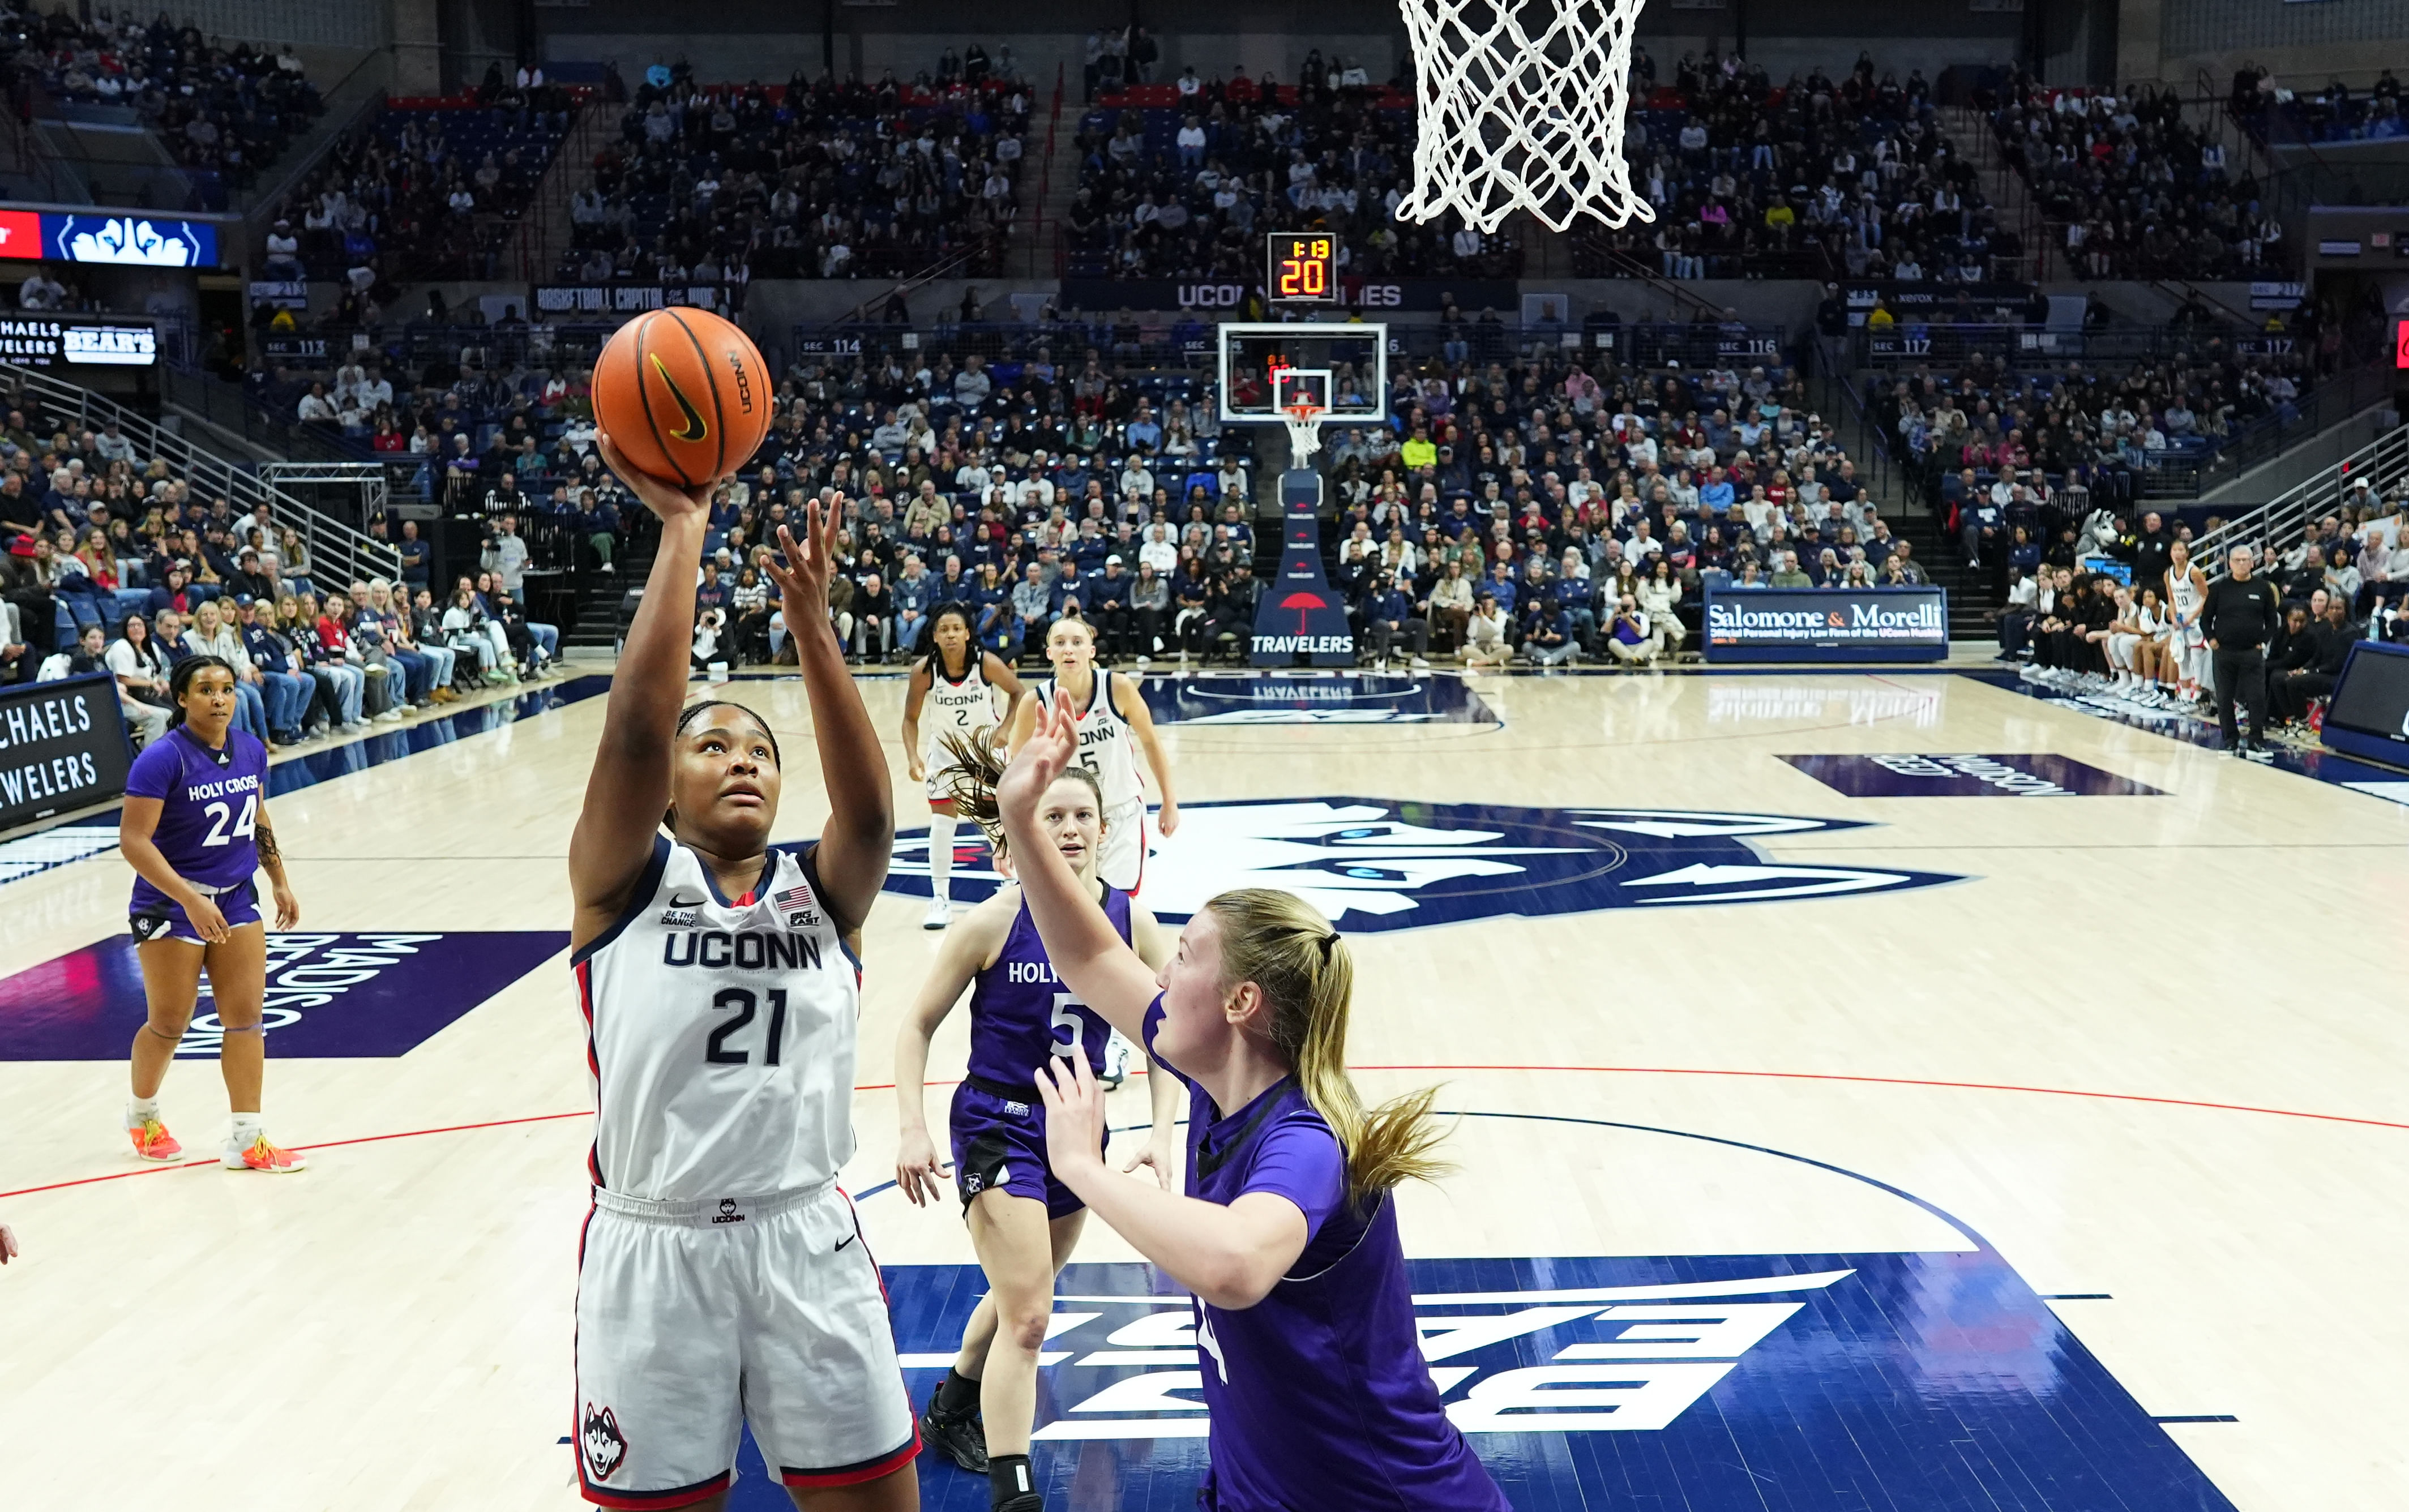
column 1812, row 179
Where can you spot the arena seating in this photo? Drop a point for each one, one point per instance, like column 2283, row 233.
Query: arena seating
column 1174, row 176
column 813, row 178
column 430, row 189
column 2333, row 114
column 224, row 112
column 2133, row 188
column 2071, row 438
column 1811, row 178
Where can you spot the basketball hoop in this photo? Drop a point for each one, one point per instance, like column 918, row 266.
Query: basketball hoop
column 1304, row 430
column 1522, row 105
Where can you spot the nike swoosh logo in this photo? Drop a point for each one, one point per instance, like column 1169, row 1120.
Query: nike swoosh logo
column 694, row 429
column 684, row 902
column 847, row 1240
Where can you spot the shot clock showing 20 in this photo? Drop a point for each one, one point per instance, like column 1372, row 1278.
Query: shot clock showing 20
column 1303, row 269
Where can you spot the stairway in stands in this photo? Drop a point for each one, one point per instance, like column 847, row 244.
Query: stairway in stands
column 599, row 594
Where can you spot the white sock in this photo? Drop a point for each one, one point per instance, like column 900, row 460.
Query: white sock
column 141, row 1109
column 941, row 856
column 248, row 1130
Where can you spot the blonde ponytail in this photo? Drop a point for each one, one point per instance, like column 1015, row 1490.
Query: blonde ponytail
column 1277, row 941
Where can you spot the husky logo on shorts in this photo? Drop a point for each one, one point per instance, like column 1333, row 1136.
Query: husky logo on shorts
column 1375, row 864
column 606, row 1448
column 728, row 1212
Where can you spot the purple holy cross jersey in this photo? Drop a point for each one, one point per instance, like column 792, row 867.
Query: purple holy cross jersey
column 209, row 804
column 1320, row 1398
column 1020, row 1013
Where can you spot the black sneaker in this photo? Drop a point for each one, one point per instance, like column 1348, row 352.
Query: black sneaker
column 1025, row 1501
column 959, row 1438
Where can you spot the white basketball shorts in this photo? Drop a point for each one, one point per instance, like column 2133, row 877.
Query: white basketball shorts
column 696, row 1318
column 1122, row 864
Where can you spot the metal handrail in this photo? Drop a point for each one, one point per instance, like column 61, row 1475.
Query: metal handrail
column 329, row 540
column 2282, row 522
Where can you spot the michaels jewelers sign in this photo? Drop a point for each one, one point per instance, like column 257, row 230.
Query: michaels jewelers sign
column 84, row 341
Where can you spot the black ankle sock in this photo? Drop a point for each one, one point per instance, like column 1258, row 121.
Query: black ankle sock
column 956, row 1394
column 1007, row 1477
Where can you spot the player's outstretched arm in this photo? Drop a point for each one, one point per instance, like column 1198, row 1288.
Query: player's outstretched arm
column 1087, row 951
column 1131, row 703
column 967, row 947
column 1230, row 1255
column 860, row 834
column 629, row 790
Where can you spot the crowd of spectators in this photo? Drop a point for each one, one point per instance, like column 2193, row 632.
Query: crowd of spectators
column 2016, row 458
column 815, row 178
column 422, row 191
column 2268, row 111
column 223, row 110
column 2134, row 187
column 1547, row 509
column 112, row 562
column 1812, row 177
column 1177, row 179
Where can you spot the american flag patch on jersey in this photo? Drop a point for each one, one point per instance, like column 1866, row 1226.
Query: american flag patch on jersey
column 795, row 903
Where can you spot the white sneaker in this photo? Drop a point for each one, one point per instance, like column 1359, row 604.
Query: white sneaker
column 940, row 915
column 1421, row 663
column 1146, row 661
column 1118, row 1052
column 390, row 716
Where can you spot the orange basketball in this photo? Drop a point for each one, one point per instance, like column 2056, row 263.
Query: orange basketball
column 682, row 394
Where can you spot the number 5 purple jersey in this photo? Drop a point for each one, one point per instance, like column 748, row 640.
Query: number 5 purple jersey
column 1021, row 1014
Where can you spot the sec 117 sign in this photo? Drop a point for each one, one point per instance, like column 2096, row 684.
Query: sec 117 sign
column 1303, row 269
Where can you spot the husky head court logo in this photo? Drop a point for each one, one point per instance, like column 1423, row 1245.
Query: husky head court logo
column 604, row 1446
column 1373, row 864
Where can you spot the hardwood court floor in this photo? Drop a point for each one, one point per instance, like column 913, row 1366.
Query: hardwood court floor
column 2147, row 1046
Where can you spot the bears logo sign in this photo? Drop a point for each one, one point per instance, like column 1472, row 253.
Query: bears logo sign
column 1374, row 864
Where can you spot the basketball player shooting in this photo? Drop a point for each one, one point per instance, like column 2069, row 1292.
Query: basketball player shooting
column 722, row 1279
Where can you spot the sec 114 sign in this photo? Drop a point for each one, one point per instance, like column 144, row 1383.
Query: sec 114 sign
column 1303, row 269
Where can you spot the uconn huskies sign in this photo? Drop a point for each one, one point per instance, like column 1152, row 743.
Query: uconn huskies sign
column 1372, row 864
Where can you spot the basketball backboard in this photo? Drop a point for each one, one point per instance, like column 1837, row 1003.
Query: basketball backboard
column 1354, row 357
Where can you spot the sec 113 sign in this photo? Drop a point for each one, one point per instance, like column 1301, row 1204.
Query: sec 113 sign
column 1303, row 269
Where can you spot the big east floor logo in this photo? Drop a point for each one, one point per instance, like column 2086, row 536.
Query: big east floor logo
column 1372, row 864
column 1811, row 1382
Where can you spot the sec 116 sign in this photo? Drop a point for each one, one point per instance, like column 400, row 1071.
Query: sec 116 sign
column 1303, row 269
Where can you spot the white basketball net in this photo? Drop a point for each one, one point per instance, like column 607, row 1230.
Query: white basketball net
column 1522, row 107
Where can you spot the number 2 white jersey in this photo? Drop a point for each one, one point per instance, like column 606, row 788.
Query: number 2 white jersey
column 1107, row 745
column 720, row 1035
column 964, row 710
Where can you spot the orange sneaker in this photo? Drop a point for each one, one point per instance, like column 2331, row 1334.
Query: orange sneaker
column 151, row 1142
column 262, row 1156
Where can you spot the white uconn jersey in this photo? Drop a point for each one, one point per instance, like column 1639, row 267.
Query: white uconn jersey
column 1106, row 747
column 720, row 1035
column 964, row 710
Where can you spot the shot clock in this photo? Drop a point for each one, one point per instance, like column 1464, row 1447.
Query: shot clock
column 1303, row 269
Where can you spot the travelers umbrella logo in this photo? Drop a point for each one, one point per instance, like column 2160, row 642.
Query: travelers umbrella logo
column 1373, row 864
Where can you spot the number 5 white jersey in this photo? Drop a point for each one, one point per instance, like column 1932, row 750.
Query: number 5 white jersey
column 720, row 1035
column 1107, row 746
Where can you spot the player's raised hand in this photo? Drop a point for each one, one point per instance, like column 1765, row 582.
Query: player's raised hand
column 667, row 500
column 1052, row 743
column 1075, row 1113
column 918, row 1169
column 802, row 572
